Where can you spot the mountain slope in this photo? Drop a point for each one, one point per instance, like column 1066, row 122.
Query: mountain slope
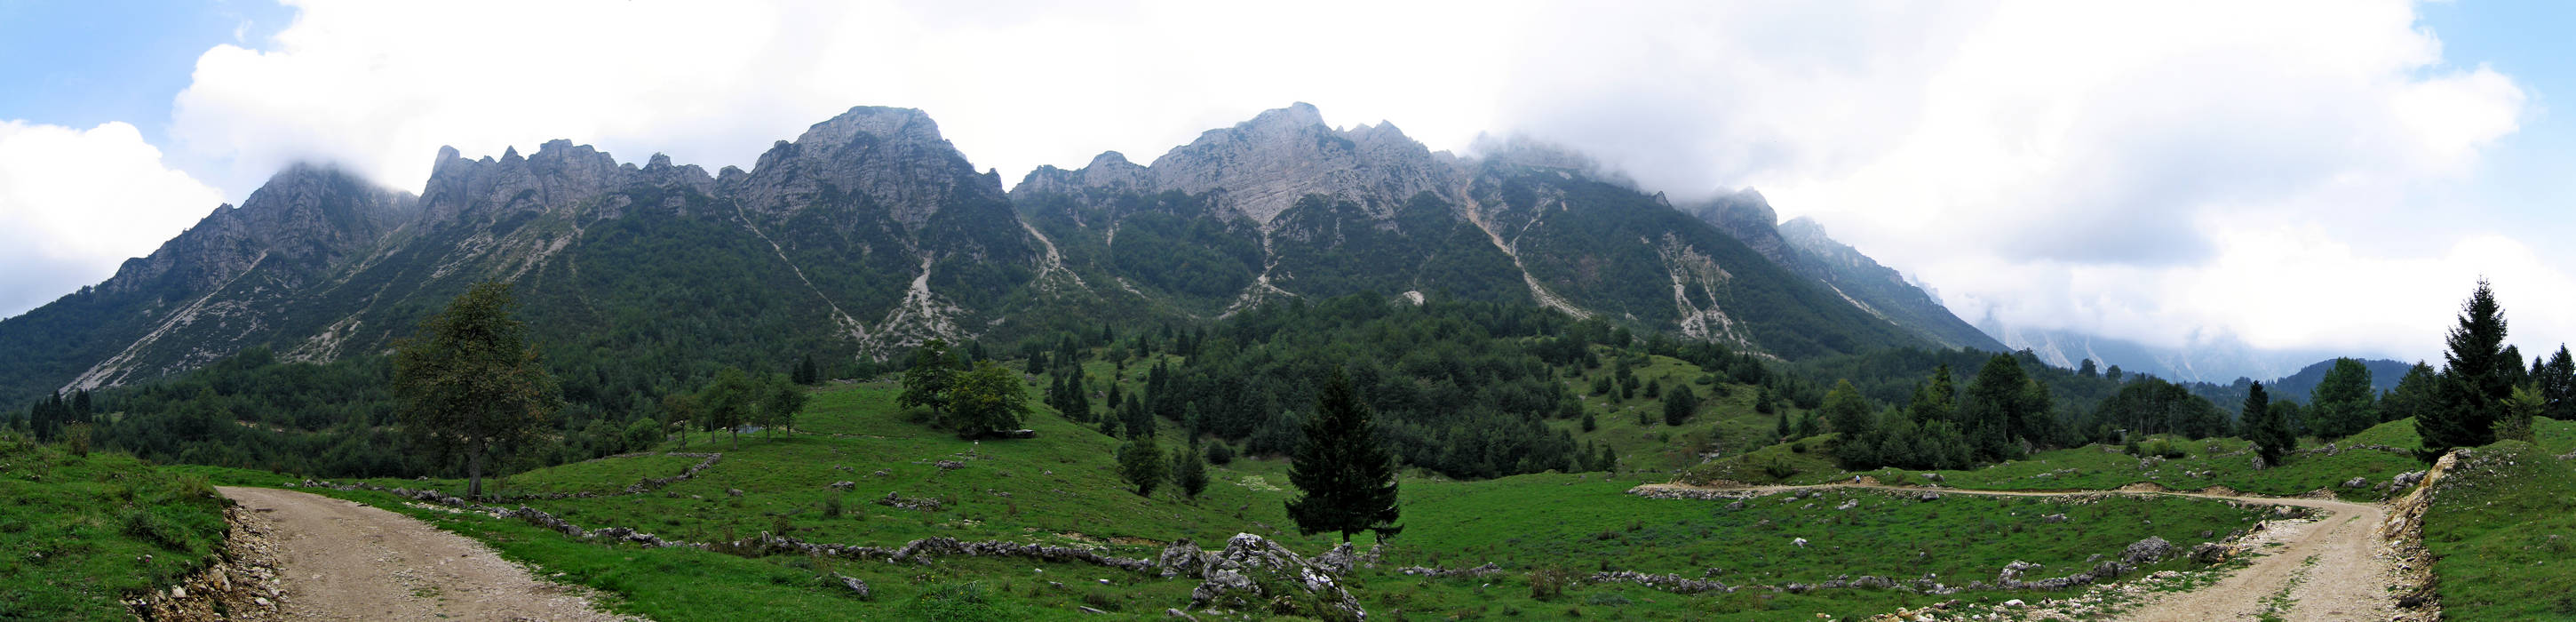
column 867, row 234
column 1802, row 246
column 1284, row 206
column 870, row 232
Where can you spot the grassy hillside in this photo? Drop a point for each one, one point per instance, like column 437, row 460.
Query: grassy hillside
column 80, row 532
column 2225, row 462
column 1059, row 489
column 2502, row 532
column 1634, row 429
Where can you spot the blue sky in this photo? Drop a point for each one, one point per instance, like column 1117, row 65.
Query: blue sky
column 2534, row 170
column 2295, row 175
column 93, row 61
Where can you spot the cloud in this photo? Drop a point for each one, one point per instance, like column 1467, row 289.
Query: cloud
column 380, row 86
column 2171, row 173
column 75, row 203
column 2091, row 166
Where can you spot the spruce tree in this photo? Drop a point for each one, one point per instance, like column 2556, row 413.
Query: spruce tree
column 1935, row 400
column 1189, row 472
column 1345, row 478
column 2474, row 383
column 2266, row 427
column 2557, row 384
column 1679, row 405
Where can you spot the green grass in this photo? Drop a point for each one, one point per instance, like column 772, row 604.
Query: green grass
column 75, row 531
column 1526, row 522
column 2502, row 532
column 2221, row 462
column 1634, row 428
column 1060, row 489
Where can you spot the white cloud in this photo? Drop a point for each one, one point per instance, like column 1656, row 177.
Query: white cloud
column 2172, row 173
column 2062, row 165
column 75, row 203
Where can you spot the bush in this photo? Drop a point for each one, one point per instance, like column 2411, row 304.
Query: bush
column 152, row 527
column 1219, row 454
column 1549, row 583
column 643, row 434
column 832, row 507
column 952, row 603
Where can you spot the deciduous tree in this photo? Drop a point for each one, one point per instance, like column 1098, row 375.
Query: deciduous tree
column 470, row 384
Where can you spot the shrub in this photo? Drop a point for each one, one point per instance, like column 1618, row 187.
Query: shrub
column 1549, row 583
column 152, row 527
column 956, row 602
column 1219, row 454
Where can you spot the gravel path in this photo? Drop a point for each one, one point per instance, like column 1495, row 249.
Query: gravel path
column 2335, row 568
column 344, row 560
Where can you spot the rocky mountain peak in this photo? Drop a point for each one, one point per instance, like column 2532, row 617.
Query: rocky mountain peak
column 894, row 157
column 1296, row 117
column 311, row 215
column 560, row 174
column 1263, row 166
column 877, row 122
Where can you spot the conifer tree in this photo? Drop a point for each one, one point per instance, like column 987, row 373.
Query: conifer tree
column 1189, row 472
column 1936, row 400
column 2474, row 384
column 2266, row 427
column 1679, row 405
column 1345, row 478
column 2557, row 385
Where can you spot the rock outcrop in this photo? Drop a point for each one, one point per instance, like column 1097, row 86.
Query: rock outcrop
column 1254, row 574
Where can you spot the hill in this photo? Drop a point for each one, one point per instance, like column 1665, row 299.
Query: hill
column 87, row 530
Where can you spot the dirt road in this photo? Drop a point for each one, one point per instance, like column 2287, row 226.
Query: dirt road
column 2335, row 568
column 343, row 560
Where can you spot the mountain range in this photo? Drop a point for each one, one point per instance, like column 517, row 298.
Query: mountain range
column 870, row 233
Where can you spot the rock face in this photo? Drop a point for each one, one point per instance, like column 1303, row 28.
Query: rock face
column 870, row 233
column 1284, row 206
column 1802, row 246
column 1262, row 167
column 2147, row 551
column 1254, row 574
column 1181, row 559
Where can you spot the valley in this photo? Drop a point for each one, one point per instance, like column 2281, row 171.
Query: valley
column 1283, row 371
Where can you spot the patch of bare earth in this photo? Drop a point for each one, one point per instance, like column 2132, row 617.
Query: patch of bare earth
column 344, row 560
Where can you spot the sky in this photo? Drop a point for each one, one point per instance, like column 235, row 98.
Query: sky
column 2297, row 175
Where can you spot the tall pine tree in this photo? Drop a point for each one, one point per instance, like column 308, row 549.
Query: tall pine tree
column 2267, row 427
column 2474, row 384
column 2557, row 380
column 1346, row 480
